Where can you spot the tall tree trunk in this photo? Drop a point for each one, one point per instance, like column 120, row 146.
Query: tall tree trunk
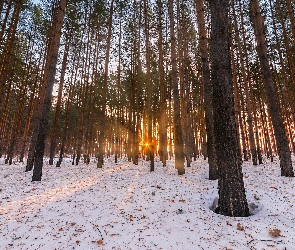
column 84, row 89
column 117, row 147
column 292, row 18
column 149, row 87
column 178, row 143
column 289, row 50
column 237, row 107
column 101, row 148
column 37, row 110
column 58, row 103
column 232, row 198
column 48, row 82
column 19, row 114
column 203, row 44
column 3, row 26
column 162, row 84
column 259, row 156
column 246, row 84
column 265, row 128
column 279, row 130
column 65, row 128
column 5, row 57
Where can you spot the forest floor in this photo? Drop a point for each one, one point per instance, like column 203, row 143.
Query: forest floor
column 125, row 206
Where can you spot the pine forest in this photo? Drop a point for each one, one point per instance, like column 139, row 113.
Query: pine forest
column 171, row 87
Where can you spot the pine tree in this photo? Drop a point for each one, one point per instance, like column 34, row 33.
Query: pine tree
column 232, row 198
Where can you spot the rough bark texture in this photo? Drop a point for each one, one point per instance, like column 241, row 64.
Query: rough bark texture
column 178, row 145
column 232, row 199
column 203, row 44
column 279, row 130
column 48, row 82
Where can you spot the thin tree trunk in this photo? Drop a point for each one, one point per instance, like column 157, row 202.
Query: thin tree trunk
column 247, row 94
column 162, row 84
column 237, row 107
column 279, row 130
column 65, row 128
column 268, row 148
column 101, row 148
column 117, row 146
column 289, row 52
column 203, row 43
column 149, row 87
column 292, row 18
column 259, row 156
column 178, row 143
column 58, row 103
column 5, row 19
column 5, row 58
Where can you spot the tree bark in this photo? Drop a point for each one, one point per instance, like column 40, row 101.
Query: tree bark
column 162, row 84
column 5, row 57
column 247, row 94
column 150, row 148
column 48, row 82
column 5, row 19
column 58, row 103
column 101, row 148
column 178, row 144
column 203, row 44
column 292, row 18
column 232, row 199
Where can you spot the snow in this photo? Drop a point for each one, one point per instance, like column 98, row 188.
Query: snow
column 124, row 206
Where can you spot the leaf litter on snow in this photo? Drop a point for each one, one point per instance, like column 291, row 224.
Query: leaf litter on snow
column 125, row 206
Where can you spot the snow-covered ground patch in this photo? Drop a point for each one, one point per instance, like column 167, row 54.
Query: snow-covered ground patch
column 124, row 206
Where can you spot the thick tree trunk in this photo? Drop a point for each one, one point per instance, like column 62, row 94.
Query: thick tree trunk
column 48, row 82
column 178, row 143
column 232, row 199
column 279, row 130
column 36, row 110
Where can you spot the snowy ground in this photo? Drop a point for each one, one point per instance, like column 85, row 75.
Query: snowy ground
column 124, row 206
